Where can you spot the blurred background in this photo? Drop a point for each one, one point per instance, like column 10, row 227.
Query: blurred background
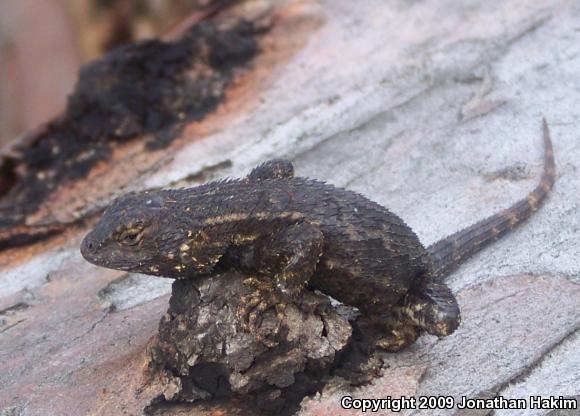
column 43, row 44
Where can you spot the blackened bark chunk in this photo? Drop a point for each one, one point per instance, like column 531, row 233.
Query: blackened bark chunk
column 202, row 349
column 150, row 88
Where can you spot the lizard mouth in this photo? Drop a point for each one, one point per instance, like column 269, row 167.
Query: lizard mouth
column 89, row 249
column 99, row 254
column 93, row 251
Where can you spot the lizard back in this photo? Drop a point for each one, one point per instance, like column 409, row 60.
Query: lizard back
column 370, row 257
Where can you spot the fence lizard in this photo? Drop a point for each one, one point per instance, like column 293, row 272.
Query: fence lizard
column 300, row 232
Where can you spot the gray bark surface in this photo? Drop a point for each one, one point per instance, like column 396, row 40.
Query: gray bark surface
column 432, row 109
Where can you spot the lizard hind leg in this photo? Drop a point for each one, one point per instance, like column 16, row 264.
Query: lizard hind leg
column 433, row 308
column 396, row 335
column 272, row 169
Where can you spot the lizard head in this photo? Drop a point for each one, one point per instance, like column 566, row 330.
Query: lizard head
column 136, row 234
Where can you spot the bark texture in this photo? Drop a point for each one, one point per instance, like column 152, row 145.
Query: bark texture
column 432, row 109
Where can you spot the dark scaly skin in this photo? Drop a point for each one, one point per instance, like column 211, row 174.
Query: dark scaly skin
column 449, row 253
column 295, row 231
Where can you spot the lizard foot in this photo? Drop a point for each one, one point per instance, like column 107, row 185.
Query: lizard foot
column 398, row 338
column 389, row 331
column 262, row 311
column 433, row 308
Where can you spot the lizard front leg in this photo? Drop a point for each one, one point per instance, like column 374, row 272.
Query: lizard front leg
column 289, row 258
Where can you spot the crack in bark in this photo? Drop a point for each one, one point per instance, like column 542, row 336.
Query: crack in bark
column 369, row 121
column 12, row 325
column 92, row 327
column 527, row 370
column 19, row 306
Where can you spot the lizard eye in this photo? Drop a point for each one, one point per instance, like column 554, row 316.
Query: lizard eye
column 131, row 237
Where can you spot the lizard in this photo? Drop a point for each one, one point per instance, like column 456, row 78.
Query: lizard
column 295, row 233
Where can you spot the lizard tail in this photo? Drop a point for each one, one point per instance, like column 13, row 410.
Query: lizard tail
column 449, row 253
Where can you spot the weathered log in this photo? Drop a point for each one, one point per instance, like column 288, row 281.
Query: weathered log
column 202, row 353
column 430, row 108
